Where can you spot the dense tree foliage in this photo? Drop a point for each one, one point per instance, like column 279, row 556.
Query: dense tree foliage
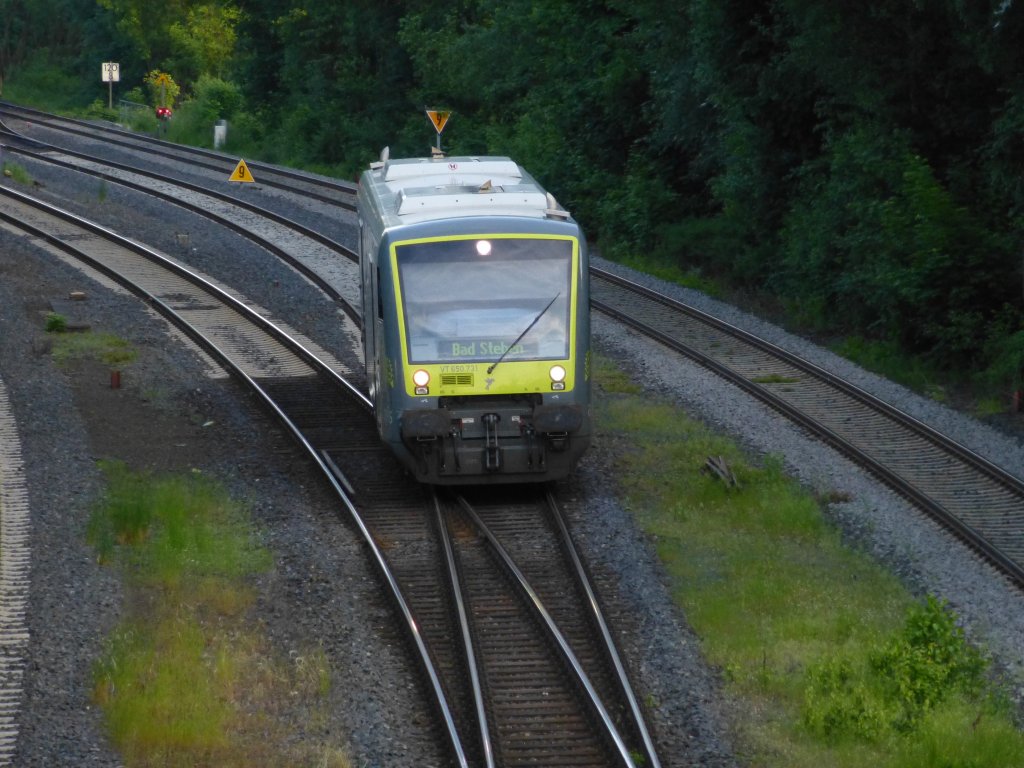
column 863, row 162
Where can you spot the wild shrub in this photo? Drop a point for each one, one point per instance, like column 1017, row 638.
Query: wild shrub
column 217, row 99
column 125, row 514
column 898, row 684
column 840, row 703
column 926, row 662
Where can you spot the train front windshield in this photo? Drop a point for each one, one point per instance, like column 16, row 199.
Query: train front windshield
column 477, row 299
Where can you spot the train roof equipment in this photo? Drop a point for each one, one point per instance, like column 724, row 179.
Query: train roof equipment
column 413, row 190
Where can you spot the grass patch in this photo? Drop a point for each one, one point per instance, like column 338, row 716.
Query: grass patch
column 805, row 631
column 105, row 347
column 56, row 323
column 17, row 173
column 991, row 406
column 188, row 679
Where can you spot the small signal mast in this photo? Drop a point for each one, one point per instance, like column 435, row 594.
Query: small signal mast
column 439, row 119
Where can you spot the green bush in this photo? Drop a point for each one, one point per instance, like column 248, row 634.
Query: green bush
column 926, row 663
column 216, row 99
column 708, row 244
column 961, row 736
column 17, row 173
column 899, row 684
column 840, row 704
column 631, row 207
column 126, row 513
column 142, row 120
column 888, row 359
column 98, row 110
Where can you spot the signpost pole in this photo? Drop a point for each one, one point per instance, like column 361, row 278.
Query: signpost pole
column 110, row 73
column 439, row 119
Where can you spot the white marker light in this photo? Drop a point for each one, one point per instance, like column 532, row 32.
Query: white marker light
column 483, row 247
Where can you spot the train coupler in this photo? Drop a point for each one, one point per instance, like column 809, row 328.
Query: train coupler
column 492, row 451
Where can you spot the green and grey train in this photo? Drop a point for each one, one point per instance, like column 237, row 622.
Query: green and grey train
column 476, row 320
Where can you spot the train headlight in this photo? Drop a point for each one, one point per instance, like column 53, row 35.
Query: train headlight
column 483, row 247
column 557, row 373
column 421, row 379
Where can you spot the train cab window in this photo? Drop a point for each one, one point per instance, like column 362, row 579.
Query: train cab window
column 475, row 299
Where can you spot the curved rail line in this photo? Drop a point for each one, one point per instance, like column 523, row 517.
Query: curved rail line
column 231, row 199
column 979, row 501
column 315, row 404
column 348, row 304
column 290, row 393
column 272, row 176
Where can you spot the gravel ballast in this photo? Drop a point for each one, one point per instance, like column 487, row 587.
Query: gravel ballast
column 323, row 586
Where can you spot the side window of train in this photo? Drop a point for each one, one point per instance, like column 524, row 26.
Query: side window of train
column 380, row 298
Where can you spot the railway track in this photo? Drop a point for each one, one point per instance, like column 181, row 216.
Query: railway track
column 314, row 402
column 306, row 250
column 981, row 503
column 554, row 593
column 569, row 723
column 320, row 188
column 531, row 676
column 977, row 500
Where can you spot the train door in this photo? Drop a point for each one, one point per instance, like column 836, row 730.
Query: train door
column 370, row 281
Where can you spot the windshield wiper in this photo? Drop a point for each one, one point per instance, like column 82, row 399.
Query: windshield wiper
column 519, row 338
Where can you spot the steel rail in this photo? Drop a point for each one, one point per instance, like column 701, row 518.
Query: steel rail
column 965, row 531
column 462, row 617
column 180, row 270
column 608, row 643
column 593, row 699
column 271, row 215
column 175, row 151
column 992, row 470
column 295, row 263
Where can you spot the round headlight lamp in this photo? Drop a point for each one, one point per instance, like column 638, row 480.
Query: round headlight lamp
column 557, row 374
column 421, row 379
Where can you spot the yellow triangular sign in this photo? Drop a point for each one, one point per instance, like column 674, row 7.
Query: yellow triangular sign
column 438, row 118
column 241, row 173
